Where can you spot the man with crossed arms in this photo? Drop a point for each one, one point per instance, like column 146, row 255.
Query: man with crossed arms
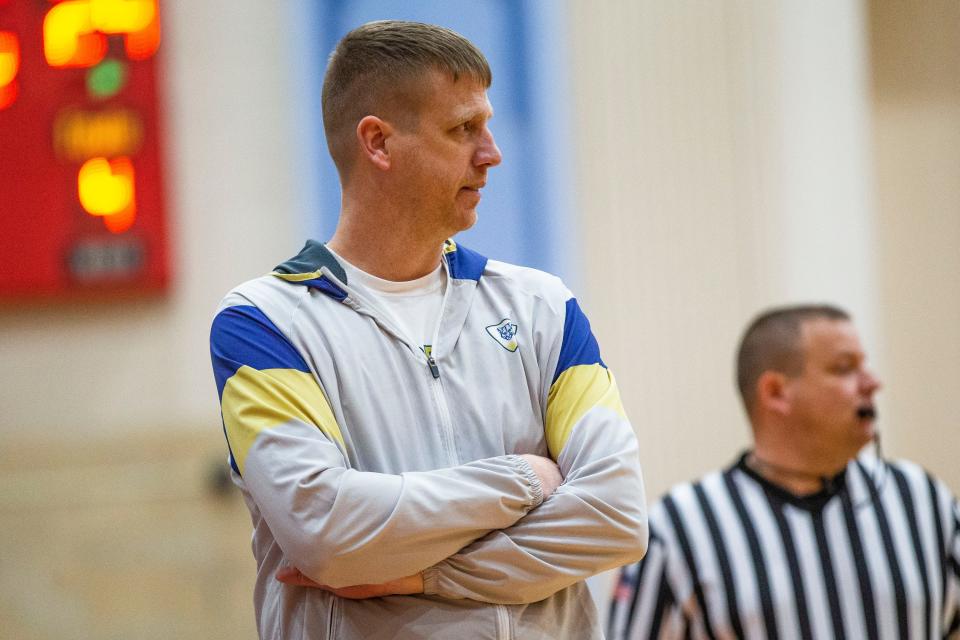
column 428, row 441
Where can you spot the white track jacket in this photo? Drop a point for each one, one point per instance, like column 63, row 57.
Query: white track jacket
column 364, row 457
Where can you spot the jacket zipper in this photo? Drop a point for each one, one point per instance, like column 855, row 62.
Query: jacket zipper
column 446, row 421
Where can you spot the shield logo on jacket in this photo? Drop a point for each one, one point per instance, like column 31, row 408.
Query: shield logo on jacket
column 505, row 333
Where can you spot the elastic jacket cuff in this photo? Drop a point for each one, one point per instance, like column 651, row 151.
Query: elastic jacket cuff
column 524, row 469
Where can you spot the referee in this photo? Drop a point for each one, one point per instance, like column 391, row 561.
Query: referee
column 800, row 537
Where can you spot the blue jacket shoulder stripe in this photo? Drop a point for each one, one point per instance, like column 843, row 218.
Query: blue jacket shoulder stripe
column 243, row 335
column 579, row 346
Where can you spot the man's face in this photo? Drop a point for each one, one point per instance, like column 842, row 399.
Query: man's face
column 834, row 391
column 441, row 163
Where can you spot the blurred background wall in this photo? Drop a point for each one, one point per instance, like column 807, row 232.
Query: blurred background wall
column 915, row 80
column 712, row 158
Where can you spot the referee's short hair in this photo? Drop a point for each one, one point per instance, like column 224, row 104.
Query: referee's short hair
column 376, row 66
column 772, row 343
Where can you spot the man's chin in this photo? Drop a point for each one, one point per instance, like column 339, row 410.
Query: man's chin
column 466, row 220
column 866, row 432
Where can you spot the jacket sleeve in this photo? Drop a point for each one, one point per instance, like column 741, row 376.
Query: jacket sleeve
column 596, row 520
column 643, row 606
column 337, row 525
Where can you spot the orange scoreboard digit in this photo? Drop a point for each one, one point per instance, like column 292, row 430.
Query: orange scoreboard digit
column 81, row 199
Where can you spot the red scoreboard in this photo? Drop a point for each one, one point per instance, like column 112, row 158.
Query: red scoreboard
column 81, row 198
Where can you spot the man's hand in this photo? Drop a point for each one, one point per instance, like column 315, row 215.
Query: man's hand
column 547, row 470
column 401, row 586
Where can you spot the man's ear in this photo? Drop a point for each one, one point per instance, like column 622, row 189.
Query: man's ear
column 372, row 134
column 773, row 393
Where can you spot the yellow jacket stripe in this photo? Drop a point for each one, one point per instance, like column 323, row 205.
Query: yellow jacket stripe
column 263, row 381
column 581, row 381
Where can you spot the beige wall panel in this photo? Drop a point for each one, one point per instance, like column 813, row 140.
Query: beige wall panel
column 916, row 73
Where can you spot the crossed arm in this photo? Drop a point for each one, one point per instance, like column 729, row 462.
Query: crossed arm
column 547, row 472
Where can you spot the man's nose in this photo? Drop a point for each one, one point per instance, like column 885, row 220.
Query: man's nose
column 488, row 153
column 870, row 382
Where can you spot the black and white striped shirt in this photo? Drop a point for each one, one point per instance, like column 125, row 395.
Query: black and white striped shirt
column 875, row 555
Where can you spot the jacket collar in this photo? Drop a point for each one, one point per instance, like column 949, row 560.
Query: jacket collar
column 307, row 267
column 463, row 263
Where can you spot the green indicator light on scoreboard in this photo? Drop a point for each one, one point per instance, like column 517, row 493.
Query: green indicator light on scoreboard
column 106, row 79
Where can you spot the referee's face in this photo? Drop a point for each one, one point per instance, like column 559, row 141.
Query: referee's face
column 832, row 400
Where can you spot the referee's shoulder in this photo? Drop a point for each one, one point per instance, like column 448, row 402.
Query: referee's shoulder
column 870, row 463
column 912, row 472
column 684, row 498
